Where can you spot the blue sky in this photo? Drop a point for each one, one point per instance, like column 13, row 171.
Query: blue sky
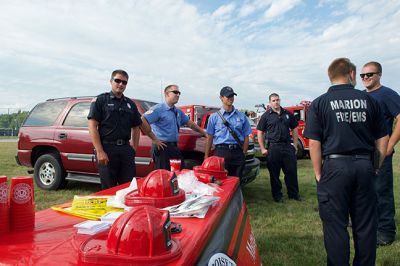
column 59, row 48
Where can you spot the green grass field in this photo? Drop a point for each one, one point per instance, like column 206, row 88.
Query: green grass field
column 286, row 234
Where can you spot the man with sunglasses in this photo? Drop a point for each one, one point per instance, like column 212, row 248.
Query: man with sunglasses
column 389, row 101
column 345, row 126
column 231, row 146
column 114, row 123
column 274, row 126
column 165, row 120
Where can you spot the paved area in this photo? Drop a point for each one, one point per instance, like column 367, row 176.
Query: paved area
column 8, row 140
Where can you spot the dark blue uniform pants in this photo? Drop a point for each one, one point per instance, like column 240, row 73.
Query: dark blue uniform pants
column 386, row 210
column 121, row 167
column 282, row 156
column 234, row 160
column 346, row 187
column 161, row 157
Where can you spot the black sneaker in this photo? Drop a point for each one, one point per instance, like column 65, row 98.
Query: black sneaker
column 279, row 200
column 384, row 241
column 298, row 198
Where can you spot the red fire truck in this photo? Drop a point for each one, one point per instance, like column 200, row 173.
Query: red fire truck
column 300, row 113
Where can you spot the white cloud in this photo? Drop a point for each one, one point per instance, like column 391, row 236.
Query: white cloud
column 279, row 7
column 60, row 48
column 224, row 11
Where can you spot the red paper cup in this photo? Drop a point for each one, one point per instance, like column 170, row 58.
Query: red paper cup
column 3, row 191
column 22, row 207
column 175, row 165
column 4, row 219
column 21, row 191
column 4, row 207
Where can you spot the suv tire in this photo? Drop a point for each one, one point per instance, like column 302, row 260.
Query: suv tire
column 49, row 173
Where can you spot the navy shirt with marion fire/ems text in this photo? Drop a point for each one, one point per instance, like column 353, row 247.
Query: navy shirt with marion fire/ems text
column 116, row 116
column 277, row 126
column 345, row 121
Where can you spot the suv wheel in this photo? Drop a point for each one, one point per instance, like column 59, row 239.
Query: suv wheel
column 49, row 173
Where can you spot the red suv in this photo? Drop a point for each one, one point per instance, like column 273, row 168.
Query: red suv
column 54, row 139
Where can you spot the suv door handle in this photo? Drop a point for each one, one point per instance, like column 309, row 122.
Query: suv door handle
column 62, row 135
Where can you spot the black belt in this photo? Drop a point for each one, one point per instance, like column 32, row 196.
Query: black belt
column 118, row 142
column 280, row 143
column 348, row 156
column 228, row 146
column 170, row 142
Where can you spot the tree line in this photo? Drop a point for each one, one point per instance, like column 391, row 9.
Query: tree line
column 12, row 122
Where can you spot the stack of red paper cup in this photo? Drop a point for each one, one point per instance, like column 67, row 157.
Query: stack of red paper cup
column 4, row 206
column 175, row 165
column 22, row 206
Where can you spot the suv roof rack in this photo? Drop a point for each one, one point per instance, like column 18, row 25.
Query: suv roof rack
column 75, row 97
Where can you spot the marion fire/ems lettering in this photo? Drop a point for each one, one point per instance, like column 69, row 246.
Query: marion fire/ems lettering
column 357, row 110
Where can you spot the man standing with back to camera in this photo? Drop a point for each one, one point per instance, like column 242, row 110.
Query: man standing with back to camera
column 281, row 154
column 345, row 126
column 114, row 120
column 389, row 101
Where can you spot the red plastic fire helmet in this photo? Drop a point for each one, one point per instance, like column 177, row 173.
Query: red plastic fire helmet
column 214, row 166
column 139, row 236
column 214, row 163
column 159, row 188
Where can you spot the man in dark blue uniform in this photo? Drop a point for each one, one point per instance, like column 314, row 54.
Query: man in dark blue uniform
column 276, row 123
column 232, row 149
column 389, row 101
column 165, row 120
column 114, row 120
column 345, row 126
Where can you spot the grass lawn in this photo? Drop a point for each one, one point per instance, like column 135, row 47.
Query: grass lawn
column 286, row 234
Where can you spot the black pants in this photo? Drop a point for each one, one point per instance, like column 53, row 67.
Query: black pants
column 161, row 157
column 282, row 156
column 234, row 160
column 386, row 209
column 121, row 167
column 346, row 188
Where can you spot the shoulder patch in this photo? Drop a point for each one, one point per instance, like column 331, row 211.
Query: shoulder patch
column 149, row 112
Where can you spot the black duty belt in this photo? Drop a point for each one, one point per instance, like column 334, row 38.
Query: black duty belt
column 228, row 146
column 280, row 143
column 118, row 142
column 348, row 156
column 173, row 143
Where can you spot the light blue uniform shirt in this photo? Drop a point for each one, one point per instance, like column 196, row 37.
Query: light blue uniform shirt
column 237, row 121
column 165, row 120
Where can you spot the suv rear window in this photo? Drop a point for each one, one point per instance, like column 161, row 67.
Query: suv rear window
column 146, row 105
column 77, row 117
column 45, row 114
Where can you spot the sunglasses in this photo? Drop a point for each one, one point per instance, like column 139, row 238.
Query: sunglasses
column 368, row 74
column 176, row 92
column 121, row 81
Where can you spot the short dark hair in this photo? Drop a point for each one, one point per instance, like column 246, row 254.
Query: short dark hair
column 376, row 64
column 170, row 86
column 273, row 95
column 121, row 72
column 340, row 67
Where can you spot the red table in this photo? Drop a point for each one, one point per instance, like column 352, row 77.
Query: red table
column 225, row 229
